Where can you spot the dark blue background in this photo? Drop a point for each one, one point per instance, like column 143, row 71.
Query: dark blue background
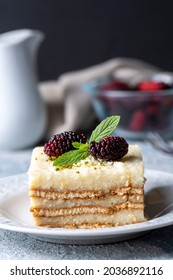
column 80, row 33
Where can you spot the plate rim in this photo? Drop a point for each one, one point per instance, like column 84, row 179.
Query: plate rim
column 82, row 233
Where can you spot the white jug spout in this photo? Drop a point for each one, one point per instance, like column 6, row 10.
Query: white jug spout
column 11, row 38
column 33, row 39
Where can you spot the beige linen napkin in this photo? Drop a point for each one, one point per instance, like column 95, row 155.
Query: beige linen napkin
column 69, row 106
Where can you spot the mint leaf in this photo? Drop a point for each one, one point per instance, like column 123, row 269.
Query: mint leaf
column 105, row 128
column 78, row 145
column 70, row 157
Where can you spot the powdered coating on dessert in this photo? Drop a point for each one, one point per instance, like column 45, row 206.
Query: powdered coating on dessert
column 90, row 161
column 91, row 176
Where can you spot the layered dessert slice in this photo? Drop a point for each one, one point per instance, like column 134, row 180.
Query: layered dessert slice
column 75, row 183
column 88, row 194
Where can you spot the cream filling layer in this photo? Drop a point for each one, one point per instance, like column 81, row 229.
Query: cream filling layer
column 107, row 201
column 123, row 217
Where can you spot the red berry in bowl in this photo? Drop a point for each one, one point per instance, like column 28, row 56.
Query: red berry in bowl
column 138, row 121
column 151, row 86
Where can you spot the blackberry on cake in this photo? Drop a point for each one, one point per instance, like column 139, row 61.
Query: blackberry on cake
column 109, row 148
column 62, row 143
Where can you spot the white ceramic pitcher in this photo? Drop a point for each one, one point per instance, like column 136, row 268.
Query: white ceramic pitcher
column 22, row 112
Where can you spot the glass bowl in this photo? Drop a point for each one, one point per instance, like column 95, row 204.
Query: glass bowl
column 140, row 111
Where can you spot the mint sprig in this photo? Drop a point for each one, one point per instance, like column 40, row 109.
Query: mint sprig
column 104, row 129
column 70, row 157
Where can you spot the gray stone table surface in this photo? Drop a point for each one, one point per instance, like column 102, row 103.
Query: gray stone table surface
column 156, row 244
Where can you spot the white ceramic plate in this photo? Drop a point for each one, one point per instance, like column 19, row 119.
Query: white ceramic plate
column 15, row 215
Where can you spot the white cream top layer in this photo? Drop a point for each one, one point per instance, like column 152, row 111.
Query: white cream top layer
column 88, row 174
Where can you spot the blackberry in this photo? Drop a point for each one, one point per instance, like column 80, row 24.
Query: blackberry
column 109, row 148
column 62, row 143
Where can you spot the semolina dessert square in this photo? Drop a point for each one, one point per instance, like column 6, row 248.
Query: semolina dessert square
column 91, row 193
